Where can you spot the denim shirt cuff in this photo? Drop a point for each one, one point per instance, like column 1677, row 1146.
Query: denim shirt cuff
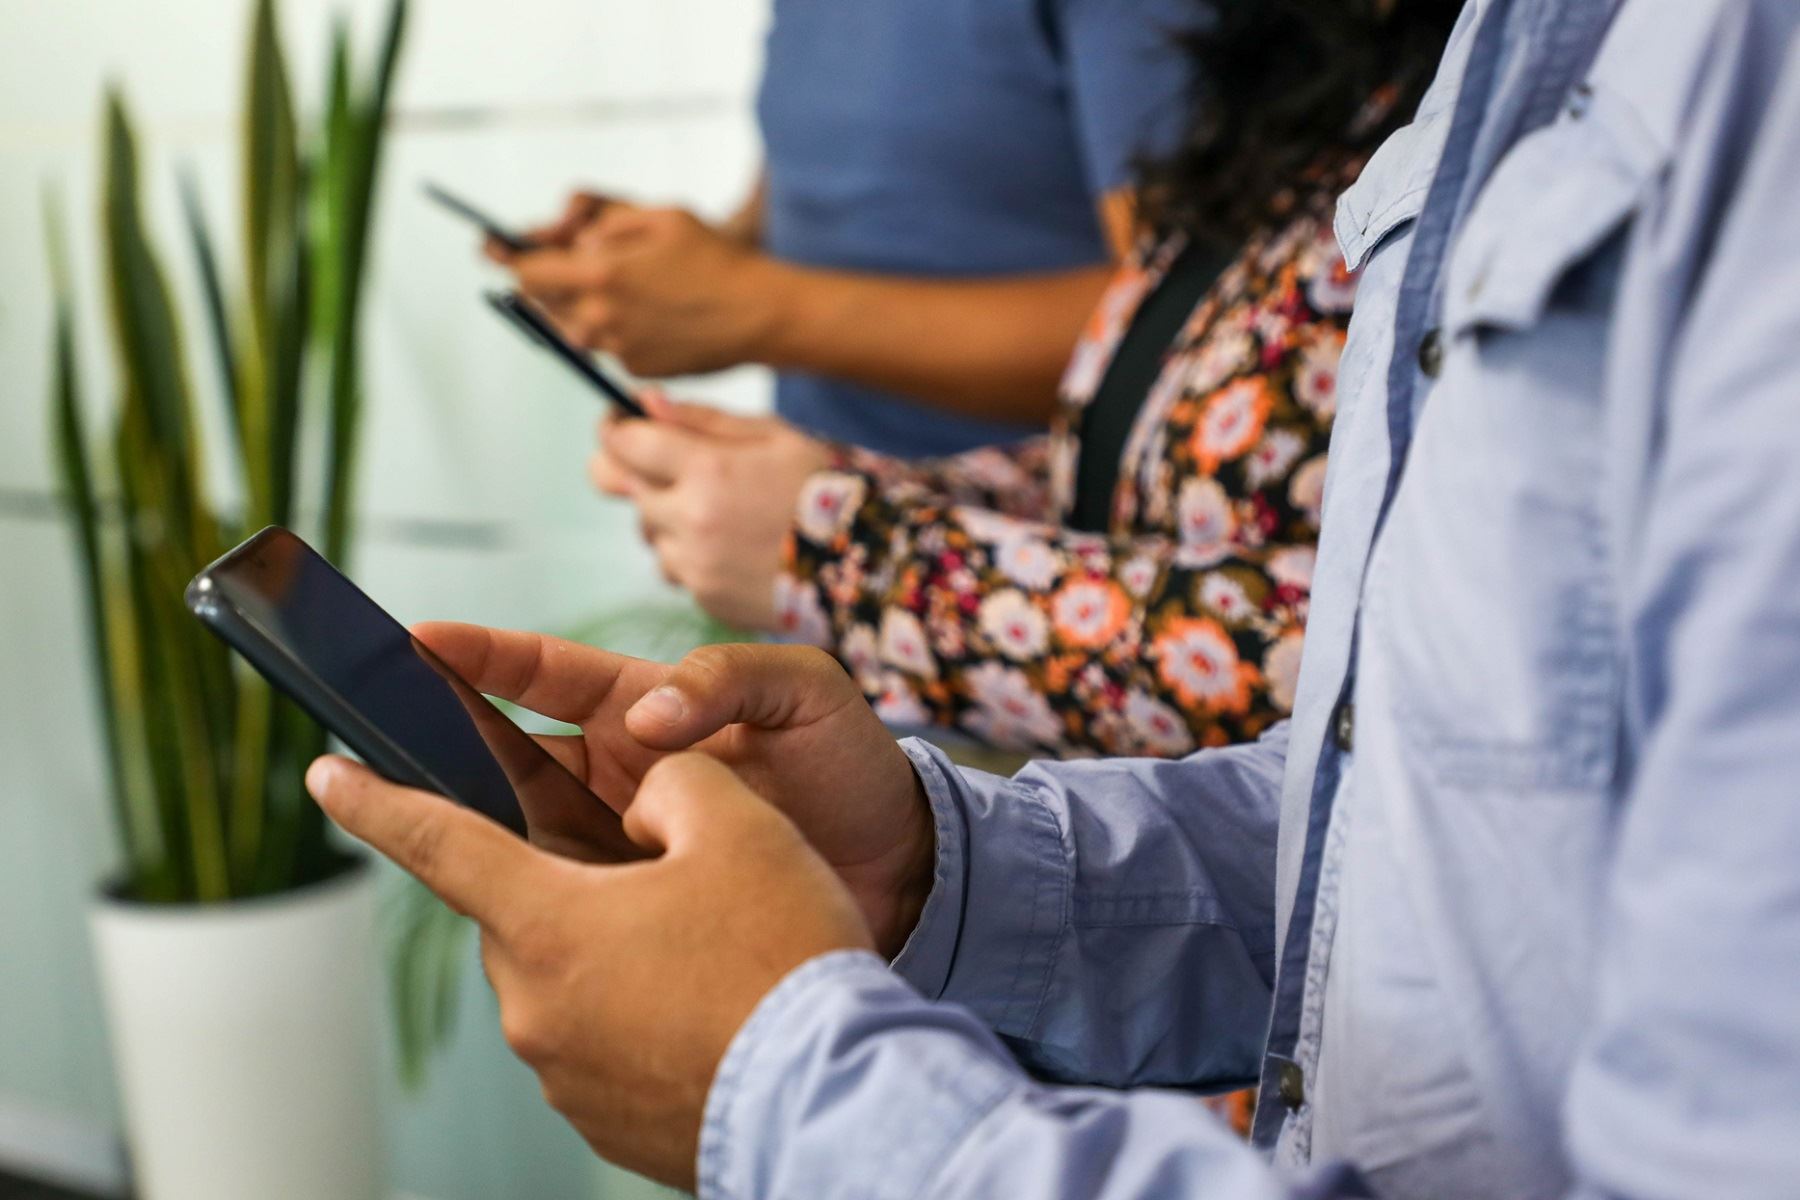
column 926, row 958
column 989, row 935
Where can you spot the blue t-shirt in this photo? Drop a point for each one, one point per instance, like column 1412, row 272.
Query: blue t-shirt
column 954, row 138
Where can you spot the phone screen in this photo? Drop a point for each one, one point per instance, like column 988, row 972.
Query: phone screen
column 318, row 637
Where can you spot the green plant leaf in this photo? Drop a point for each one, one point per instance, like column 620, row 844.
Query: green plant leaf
column 148, row 339
column 427, row 944
column 356, row 132
column 110, row 652
column 212, row 292
column 272, row 210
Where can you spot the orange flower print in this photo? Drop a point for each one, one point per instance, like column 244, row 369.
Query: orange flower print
column 1196, row 658
column 1089, row 612
column 1232, row 422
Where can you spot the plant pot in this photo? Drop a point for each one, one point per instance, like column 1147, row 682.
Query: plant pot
column 244, row 1038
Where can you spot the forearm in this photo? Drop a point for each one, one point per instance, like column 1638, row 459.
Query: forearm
column 992, row 348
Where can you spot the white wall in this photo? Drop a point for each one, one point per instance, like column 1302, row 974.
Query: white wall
column 472, row 478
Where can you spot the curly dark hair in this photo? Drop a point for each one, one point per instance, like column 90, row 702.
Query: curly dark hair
column 1281, row 83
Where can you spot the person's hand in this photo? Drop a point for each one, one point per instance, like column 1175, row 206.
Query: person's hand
column 716, row 495
column 622, row 986
column 658, row 288
column 580, row 211
column 787, row 719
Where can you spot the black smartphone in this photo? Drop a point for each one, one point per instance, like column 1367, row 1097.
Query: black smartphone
column 517, row 243
column 321, row 640
column 532, row 323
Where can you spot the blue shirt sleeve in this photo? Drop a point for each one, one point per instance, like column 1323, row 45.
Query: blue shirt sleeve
column 1112, row 921
column 1129, row 80
column 1104, row 921
column 1686, row 1085
column 845, row 1082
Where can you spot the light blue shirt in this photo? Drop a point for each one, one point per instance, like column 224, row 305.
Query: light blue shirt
column 1511, row 907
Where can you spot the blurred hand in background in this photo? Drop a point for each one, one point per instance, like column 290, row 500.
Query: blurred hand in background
column 716, row 496
column 662, row 290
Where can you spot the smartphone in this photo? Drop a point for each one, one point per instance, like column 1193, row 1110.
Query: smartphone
column 319, row 639
column 533, row 324
column 468, row 212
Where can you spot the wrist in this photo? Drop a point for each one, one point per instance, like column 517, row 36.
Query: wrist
column 918, row 871
column 772, row 294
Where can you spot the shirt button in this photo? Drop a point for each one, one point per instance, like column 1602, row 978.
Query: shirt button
column 1580, row 100
column 1290, row 1085
column 1343, row 726
column 1431, row 354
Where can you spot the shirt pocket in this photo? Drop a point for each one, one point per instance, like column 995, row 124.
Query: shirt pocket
column 1492, row 590
column 1550, row 207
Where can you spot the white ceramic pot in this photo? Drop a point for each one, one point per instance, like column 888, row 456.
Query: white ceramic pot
column 244, row 1037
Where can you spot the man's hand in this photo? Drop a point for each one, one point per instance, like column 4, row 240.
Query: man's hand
column 662, row 290
column 580, row 211
column 717, row 496
column 622, row 986
column 787, row 719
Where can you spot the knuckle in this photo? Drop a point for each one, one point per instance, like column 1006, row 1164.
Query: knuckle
column 713, row 664
column 524, row 1034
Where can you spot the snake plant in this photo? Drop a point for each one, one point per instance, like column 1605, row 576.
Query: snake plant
column 205, row 761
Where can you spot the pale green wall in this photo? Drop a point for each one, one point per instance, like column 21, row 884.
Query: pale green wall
column 476, row 504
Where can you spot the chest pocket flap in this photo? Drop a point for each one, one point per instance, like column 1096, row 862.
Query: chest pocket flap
column 1391, row 189
column 1552, row 202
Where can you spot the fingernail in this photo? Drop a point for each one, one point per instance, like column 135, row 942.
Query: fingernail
column 665, row 705
column 320, row 776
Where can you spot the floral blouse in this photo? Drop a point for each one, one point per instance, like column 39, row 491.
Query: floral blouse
column 953, row 593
